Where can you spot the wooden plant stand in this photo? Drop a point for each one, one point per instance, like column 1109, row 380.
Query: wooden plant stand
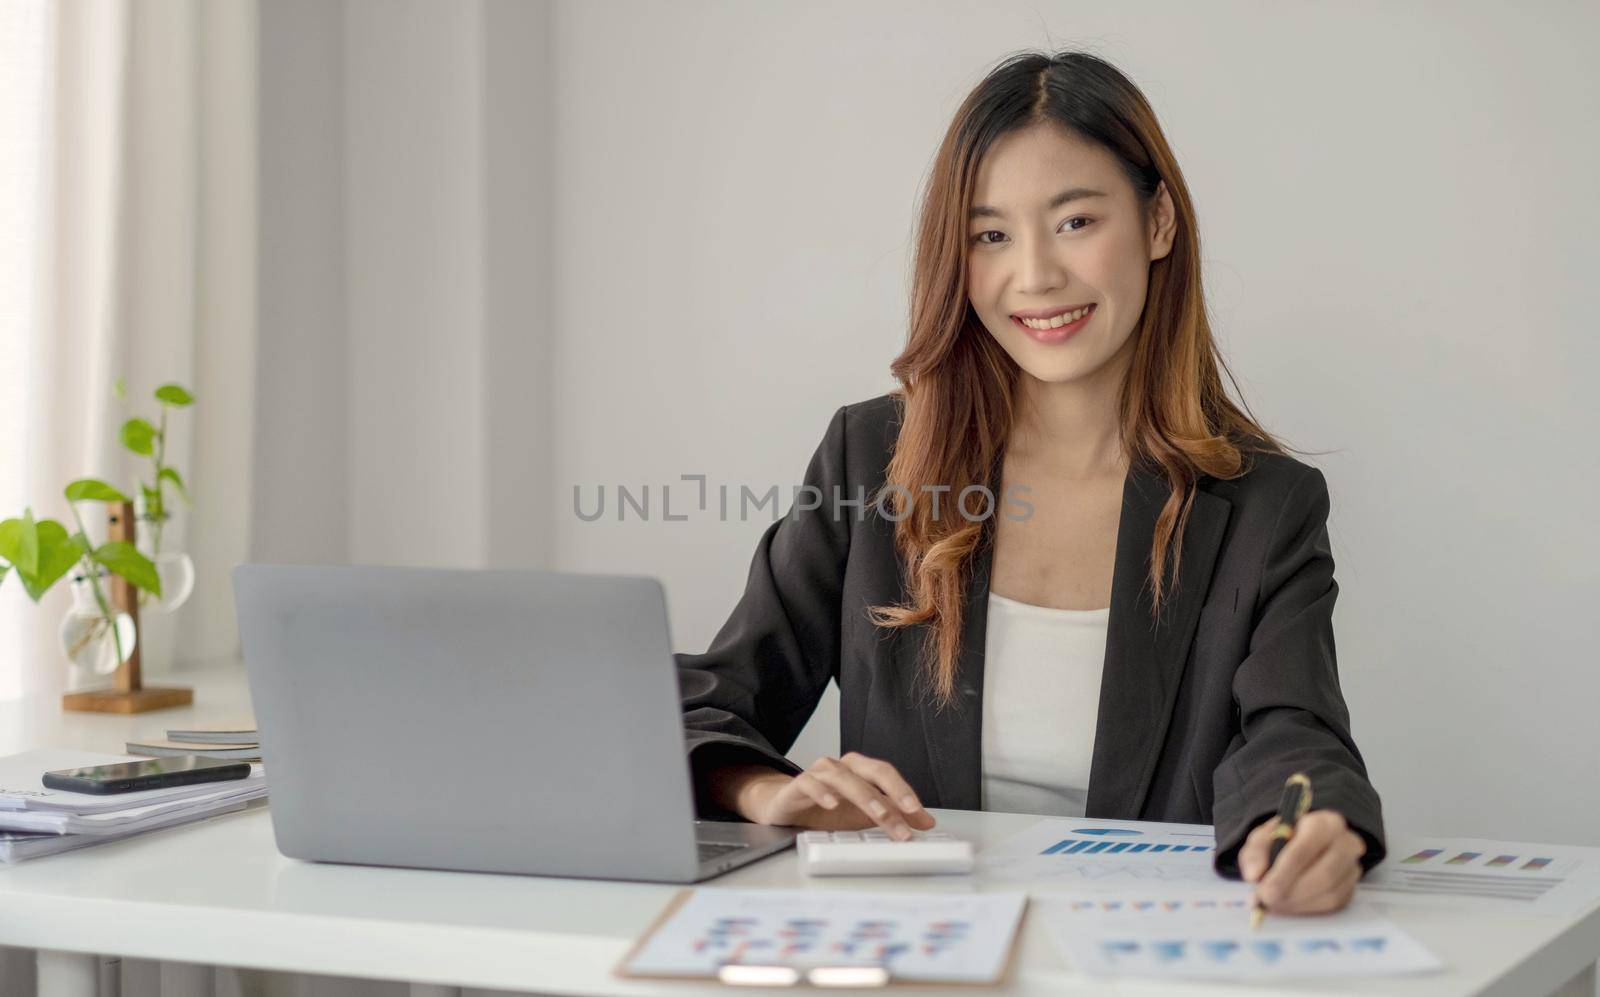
column 127, row 693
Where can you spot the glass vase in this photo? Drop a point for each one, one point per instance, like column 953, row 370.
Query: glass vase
column 175, row 568
column 86, row 634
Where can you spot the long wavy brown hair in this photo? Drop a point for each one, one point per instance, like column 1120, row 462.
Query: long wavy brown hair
column 958, row 386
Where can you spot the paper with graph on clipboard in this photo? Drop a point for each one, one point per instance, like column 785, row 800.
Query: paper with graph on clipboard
column 926, row 937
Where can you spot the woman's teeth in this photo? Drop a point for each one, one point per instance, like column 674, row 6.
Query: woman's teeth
column 1060, row 320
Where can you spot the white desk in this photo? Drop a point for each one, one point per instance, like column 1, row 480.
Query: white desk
column 219, row 893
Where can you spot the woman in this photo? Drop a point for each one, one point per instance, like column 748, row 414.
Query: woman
column 1084, row 582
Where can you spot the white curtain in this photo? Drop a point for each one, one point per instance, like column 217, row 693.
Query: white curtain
column 127, row 248
column 127, row 182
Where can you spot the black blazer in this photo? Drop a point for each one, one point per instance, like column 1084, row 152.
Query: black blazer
column 1202, row 715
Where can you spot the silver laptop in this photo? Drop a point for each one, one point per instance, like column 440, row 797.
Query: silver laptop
column 490, row 721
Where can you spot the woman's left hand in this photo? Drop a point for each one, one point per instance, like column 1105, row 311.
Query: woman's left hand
column 1316, row 870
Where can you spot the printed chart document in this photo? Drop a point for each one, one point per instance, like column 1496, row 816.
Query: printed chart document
column 1208, row 935
column 928, row 937
column 1477, row 872
column 1088, row 853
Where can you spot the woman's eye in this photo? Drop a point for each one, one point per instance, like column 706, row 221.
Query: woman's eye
column 979, row 238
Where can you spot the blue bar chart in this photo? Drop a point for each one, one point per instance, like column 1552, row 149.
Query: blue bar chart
column 1068, row 846
column 1072, row 851
column 1127, row 842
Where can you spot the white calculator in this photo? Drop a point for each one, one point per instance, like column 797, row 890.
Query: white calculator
column 873, row 853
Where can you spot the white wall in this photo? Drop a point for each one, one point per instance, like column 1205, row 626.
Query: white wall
column 301, row 506
column 706, row 253
column 403, row 374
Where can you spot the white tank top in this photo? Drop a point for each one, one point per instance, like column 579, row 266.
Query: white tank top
column 1041, row 701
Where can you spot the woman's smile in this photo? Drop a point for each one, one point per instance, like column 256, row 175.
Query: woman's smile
column 1045, row 332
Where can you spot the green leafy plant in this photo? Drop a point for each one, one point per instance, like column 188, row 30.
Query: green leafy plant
column 41, row 552
column 147, row 439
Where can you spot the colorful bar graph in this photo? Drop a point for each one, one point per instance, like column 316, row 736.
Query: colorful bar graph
column 1069, row 847
column 1469, row 858
column 1090, row 847
column 1506, row 862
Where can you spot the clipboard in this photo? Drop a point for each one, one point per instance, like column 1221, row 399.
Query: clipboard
column 777, row 973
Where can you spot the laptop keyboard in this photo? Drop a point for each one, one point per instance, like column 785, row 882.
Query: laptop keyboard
column 716, row 849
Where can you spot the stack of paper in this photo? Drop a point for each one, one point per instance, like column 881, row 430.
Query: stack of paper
column 35, row 820
column 236, row 741
column 237, row 732
column 161, row 747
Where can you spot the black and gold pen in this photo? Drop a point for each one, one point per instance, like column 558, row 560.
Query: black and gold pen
column 1296, row 800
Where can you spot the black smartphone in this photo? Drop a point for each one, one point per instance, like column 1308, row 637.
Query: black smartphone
column 153, row 773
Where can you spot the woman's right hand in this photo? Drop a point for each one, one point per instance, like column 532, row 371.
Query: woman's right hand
column 835, row 794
